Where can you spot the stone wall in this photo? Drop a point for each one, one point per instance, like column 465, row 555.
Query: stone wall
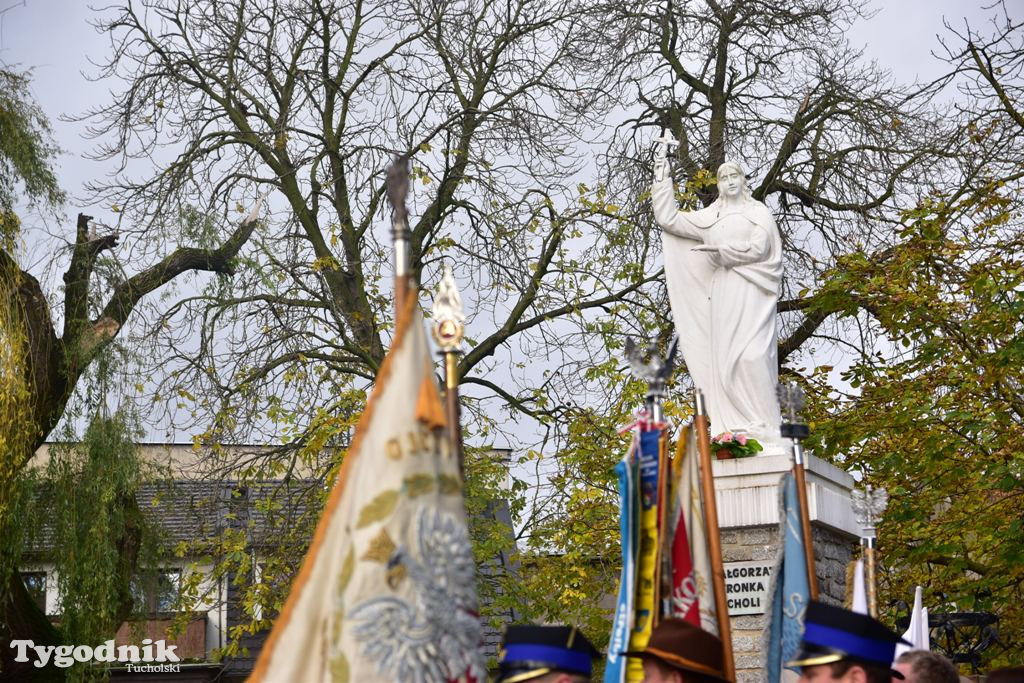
column 832, row 552
column 748, row 512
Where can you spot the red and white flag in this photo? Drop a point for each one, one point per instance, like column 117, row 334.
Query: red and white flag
column 692, row 596
column 386, row 592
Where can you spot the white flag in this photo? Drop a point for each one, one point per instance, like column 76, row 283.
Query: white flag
column 918, row 632
column 860, row 596
column 386, row 592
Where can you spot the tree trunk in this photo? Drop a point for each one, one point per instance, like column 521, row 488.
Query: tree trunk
column 22, row 619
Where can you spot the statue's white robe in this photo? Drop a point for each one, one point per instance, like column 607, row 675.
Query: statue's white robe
column 724, row 304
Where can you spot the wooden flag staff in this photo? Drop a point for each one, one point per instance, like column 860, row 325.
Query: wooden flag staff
column 791, row 400
column 868, row 505
column 707, row 482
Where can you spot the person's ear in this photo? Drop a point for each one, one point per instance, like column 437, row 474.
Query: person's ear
column 856, row 675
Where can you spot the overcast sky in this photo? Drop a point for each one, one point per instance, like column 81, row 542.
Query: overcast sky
column 55, row 39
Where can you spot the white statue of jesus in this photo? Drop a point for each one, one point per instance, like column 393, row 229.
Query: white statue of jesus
column 723, row 268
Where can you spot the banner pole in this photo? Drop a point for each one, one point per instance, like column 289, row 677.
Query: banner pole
column 872, row 591
column 791, row 402
column 453, row 410
column 805, row 518
column 707, row 482
column 868, row 505
column 397, row 185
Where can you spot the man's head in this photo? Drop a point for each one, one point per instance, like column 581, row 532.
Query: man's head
column 545, row 654
column 679, row 652
column 847, row 672
column 840, row 645
column 921, row 666
column 1012, row 674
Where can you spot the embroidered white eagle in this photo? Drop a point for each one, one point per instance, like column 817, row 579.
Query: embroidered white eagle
column 435, row 636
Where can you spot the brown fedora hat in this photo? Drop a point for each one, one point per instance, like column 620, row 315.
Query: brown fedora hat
column 683, row 646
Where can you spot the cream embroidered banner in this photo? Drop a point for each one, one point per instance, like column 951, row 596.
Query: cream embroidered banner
column 386, row 592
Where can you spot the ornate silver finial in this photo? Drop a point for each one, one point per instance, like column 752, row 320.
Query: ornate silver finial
column 868, row 506
column 791, row 401
column 655, row 369
column 655, row 372
column 449, row 320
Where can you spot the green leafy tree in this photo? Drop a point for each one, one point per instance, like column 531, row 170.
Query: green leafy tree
column 26, row 149
column 25, row 156
column 40, row 367
column 308, row 102
column 93, row 533
column 936, row 419
column 934, row 411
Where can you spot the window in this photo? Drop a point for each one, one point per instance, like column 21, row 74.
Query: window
column 155, row 591
column 270, row 579
column 35, row 584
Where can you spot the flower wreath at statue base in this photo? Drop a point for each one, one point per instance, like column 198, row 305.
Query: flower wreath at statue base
column 734, row 445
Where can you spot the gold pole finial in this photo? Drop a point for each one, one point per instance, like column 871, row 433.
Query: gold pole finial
column 449, row 328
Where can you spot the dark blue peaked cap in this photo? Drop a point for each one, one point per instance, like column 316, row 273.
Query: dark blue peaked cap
column 529, row 651
column 833, row 634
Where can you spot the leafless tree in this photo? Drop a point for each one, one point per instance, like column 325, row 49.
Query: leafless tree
column 832, row 143
column 306, row 102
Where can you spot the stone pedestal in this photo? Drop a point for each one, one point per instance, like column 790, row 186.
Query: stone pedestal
column 747, row 493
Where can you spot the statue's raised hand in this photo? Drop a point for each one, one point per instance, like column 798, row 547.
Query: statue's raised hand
column 661, row 149
column 660, row 163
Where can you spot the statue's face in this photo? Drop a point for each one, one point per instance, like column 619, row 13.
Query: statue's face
column 730, row 183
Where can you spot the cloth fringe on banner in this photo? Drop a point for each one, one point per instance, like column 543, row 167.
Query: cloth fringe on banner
column 386, row 591
column 647, row 560
column 626, row 471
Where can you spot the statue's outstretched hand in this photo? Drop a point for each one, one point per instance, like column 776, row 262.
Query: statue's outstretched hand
column 713, row 251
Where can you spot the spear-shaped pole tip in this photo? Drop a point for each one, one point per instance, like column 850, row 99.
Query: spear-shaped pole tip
column 398, row 187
